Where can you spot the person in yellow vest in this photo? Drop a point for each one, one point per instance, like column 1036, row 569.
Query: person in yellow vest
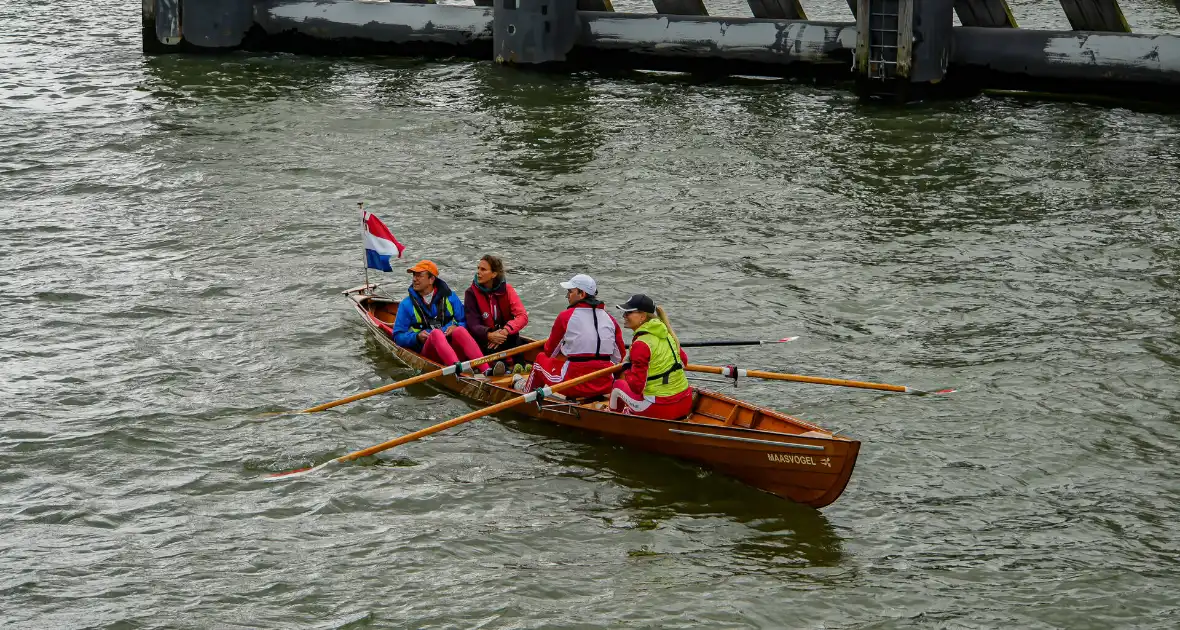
column 655, row 385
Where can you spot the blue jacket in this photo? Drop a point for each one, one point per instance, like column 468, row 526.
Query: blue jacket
column 408, row 323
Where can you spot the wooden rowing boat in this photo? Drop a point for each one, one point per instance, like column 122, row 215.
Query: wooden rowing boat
column 769, row 450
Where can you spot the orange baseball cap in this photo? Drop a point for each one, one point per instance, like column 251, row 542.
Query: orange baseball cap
column 424, row 265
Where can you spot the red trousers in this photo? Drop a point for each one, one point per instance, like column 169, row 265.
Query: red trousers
column 447, row 350
column 549, row 371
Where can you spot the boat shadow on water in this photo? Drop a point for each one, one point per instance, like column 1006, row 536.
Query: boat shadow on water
column 659, row 489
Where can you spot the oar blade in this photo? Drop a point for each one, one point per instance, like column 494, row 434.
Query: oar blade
column 301, row 472
column 918, row 392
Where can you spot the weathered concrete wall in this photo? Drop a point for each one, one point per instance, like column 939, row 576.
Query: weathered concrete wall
column 735, row 39
column 688, row 37
column 393, row 23
column 1075, row 56
column 988, row 57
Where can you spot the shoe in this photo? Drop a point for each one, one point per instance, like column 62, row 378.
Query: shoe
column 518, row 368
column 518, row 382
column 499, row 369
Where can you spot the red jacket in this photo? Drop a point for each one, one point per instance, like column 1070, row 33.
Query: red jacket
column 498, row 307
column 554, row 343
column 574, row 333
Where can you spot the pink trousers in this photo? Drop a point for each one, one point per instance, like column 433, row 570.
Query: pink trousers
column 444, row 350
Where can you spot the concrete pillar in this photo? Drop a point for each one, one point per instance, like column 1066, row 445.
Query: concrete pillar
column 988, row 13
column 933, row 35
column 216, row 23
column 680, row 7
column 167, row 14
column 533, row 31
column 902, row 46
column 1095, row 15
column 780, row 9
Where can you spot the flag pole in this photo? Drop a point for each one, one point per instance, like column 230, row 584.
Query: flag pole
column 364, row 257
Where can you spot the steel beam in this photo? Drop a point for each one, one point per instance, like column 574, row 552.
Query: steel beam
column 990, row 13
column 680, row 7
column 780, row 9
column 1095, row 15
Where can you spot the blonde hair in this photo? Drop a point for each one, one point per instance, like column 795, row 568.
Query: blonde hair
column 663, row 317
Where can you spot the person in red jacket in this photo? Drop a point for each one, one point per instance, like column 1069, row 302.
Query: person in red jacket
column 584, row 339
column 495, row 315
column 654, row 383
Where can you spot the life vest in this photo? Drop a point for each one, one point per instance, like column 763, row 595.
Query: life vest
column 444, row 312
column 587, row 334
column 665, row 372
column 495, row 309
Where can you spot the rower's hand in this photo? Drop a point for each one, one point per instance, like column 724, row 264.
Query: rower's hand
column 422, row 336
column 497, row 337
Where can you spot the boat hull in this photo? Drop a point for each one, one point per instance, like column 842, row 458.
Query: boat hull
column 771, row 451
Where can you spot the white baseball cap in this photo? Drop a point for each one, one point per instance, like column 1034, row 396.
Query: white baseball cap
column 583, row 282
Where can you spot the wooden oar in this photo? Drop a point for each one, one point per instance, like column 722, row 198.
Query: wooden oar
column 474, row 415
column 734, row 342
column 422, row 378
column 733, row 372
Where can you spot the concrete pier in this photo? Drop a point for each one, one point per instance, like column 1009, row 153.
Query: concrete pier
column 894, row 48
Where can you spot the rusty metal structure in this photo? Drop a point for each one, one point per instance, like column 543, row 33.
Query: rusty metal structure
column 895, row 49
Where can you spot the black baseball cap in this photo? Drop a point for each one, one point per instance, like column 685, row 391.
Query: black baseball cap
column 638, row 302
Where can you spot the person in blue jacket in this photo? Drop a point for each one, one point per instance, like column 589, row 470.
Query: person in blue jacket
column 430, row 320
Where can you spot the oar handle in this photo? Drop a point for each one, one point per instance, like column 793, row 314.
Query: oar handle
column 421, row 378
column 474, row 415
column 799, row 378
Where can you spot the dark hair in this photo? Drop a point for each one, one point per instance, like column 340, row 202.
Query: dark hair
column 496, row 265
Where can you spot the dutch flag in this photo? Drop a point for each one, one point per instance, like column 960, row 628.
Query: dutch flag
column 380, row 244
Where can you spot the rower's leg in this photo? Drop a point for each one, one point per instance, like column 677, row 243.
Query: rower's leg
column 624, row 400
column 465, row 346
column 437, row 348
